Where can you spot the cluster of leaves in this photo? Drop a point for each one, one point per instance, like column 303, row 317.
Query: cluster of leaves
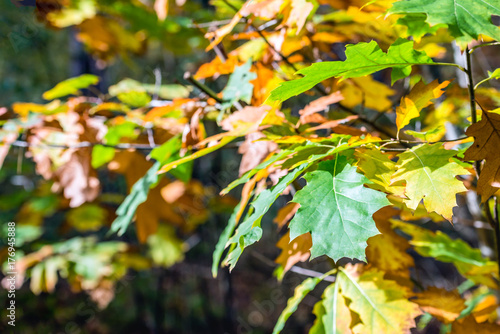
column 368, row 163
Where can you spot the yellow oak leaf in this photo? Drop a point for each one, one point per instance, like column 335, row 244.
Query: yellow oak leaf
column 487, row 141
column 371, row 93
column 444, row 305
column 419, row 98
column 387, row 251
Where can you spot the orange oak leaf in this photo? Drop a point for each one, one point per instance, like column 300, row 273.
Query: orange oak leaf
column 319, row 105
column 469, row 325
column 487, row 141
column 285, row 214
column 444, row 305
column 293, row 251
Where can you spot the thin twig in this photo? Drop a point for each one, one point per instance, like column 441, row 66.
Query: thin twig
column 295, row 269
column 204, row 88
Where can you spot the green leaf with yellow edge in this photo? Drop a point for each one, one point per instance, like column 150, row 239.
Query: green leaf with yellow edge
column 378, row 168
column 466, row 19
column 419, row 98
column 382, row 305
column 300, row 292
column 430, row 175
column 71, row 86
column 469, row 261
column 249, row 231
column 362, row 59
column 332, row 314
column 335, row 205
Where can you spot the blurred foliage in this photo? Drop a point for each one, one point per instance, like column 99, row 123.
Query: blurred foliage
column 124, row 122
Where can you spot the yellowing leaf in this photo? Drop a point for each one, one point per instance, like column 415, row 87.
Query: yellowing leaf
column 381, row 304
column 371, row 93
column 419, row 98
column 486, row 144
column 379, row 169
column 469, row 261
column 431, row 176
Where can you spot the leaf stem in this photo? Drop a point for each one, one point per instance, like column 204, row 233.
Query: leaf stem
column 451, row 64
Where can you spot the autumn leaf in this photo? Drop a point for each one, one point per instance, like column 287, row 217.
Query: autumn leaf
column 293, row 251
column 335, row 204
column 420, row 97
column 446, row 306
column 387, row 251
column 381, row 304
column 366, row 91
column 362, row 59
column 319, row 105
column 431, row 176
column 469, row 325
column 378, row 168
column 487, row 140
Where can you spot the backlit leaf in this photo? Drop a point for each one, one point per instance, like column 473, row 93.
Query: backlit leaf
column 430, row 175
column 362, row 59
column 486, row 133
column 466, row 19
column 419, row 98
column 381, row 304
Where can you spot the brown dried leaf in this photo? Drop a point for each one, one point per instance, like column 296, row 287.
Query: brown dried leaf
column 487, row 141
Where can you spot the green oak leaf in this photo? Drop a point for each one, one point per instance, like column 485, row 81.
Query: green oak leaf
column 138, row 195
column 466, row 19
column 431, row 176
column 337, row 210
column 249, row 230
column 361, row 59
column 239, row 87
